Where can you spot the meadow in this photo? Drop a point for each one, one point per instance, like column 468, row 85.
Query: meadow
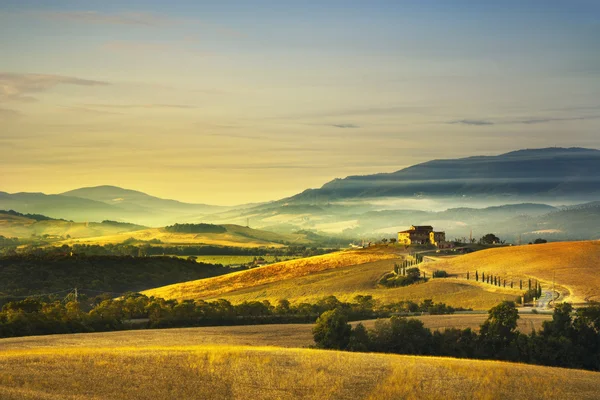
column 574, row 267
column 243, row 372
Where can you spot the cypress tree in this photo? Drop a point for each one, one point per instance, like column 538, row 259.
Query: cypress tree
column 505, row 283
column 483, row 277
column 530, row 284
column 521, row 284
column 476, row 276
column 511, row 284
column 467, row 275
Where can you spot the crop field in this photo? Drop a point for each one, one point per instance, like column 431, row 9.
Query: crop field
column 573, row 266
column 257, row 277
column 244, row 372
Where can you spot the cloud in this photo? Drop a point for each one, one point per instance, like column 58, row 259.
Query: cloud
column 476, row 122
column 525, row 121
column 345, row 126
column 551, row 119
column 95, row 17
column 17, row 87
column 130, row 106
column 8, row 113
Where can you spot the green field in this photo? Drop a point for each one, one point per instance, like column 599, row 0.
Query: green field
column 236, row 260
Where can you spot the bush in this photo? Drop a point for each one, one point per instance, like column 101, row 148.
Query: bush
column 440, row 274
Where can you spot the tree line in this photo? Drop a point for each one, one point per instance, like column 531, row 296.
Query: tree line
column 571, row 339
column 36, row 316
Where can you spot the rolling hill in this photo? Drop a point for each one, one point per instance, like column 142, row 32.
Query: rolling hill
column 233, row 235
column 13, row 224
column 573, row 266
column 176, row 368
column 344, row 275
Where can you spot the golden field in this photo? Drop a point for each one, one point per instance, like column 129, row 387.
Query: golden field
column 244, row 372
column 280, row 335
column 258, row 277
column 575, row 266
column 344, row 275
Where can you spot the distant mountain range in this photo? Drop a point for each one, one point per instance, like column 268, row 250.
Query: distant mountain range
column 529, row 191
column 106, row 202
column 550, row 173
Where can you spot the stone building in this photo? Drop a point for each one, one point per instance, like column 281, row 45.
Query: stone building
column 423, row 234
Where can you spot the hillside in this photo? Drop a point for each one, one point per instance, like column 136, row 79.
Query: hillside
column 14, row 224
column 234, row 235
column 553, row 173
column 574, row 266
column 177, row 370
column 344, row 275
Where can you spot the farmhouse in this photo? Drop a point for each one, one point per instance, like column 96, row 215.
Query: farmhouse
column 423, row 234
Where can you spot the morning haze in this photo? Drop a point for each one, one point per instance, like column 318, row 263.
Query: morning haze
column 267, row 199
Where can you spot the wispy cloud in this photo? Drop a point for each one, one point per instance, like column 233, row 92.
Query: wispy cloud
column 525, row 121
column 96, row 17
column 551, row 119
column 345, row 126
column 130, row 106
column 152, row 47
column 476, row 122
column 18, row 87
column 6, row 113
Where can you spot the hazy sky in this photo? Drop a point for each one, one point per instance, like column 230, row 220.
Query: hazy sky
column 238, row 101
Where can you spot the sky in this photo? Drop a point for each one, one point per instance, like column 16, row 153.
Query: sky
column 232, row 102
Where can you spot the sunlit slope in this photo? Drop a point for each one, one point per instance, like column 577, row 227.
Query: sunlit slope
column 235, row 236
column 575, row 266
column 242, row 372
column 287, row 270
column 344, row 275
column 24, row 227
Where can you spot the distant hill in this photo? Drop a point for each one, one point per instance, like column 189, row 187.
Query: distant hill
column 566, row 173
column 14, row 224
column 220, row 235
column 106, row 202
column 134, row 200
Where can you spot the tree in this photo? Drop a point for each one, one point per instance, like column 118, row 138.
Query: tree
column 499, row 331
column 476, row 276
column 540, row 241
column 393, row 240
column 384, row 240
column 332, row 330
column 490, row 238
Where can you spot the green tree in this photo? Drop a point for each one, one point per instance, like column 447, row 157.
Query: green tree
column 490, row 238
column 332, row 330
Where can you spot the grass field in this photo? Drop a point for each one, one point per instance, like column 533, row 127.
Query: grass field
column 344, row 275
column 575, row 266
column 244, row 372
